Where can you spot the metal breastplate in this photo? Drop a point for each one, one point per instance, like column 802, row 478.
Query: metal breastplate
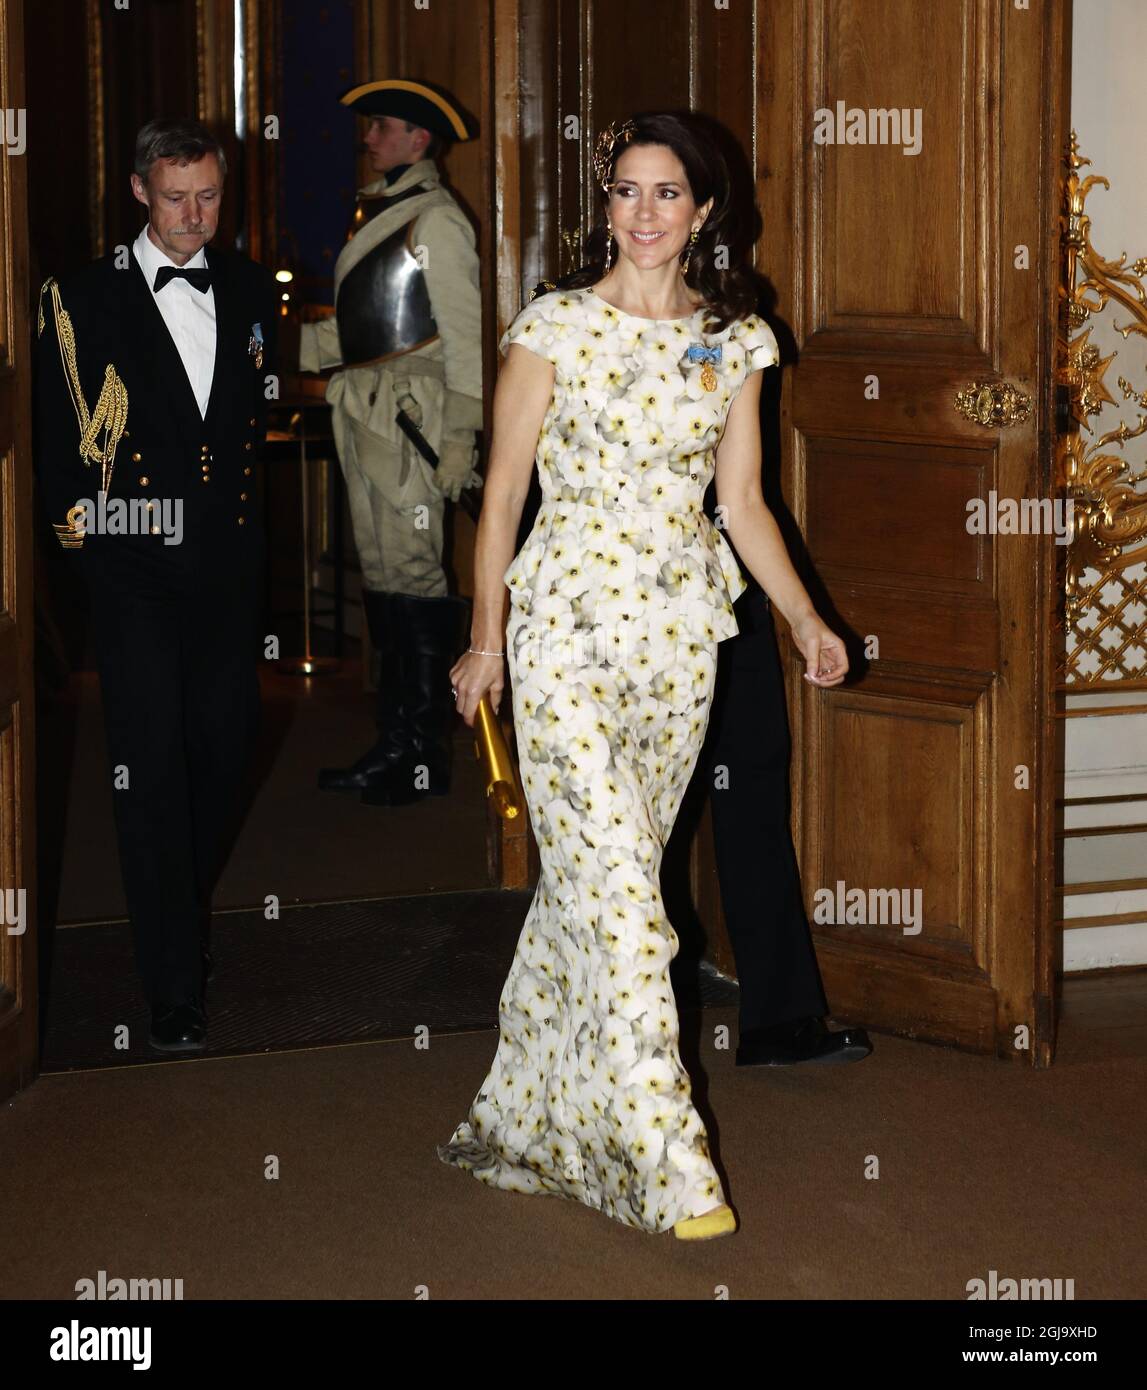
column 383, row 306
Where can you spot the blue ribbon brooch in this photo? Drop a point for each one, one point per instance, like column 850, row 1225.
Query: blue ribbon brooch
column 698, row 352
column 255, row 345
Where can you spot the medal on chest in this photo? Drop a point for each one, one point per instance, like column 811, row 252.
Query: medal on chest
column 255, row 345
column 698, row 352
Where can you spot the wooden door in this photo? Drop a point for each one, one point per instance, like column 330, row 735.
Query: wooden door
column 18, row 1044
column 913, row 276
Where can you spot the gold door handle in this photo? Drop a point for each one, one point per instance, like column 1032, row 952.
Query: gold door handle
column 993, row 404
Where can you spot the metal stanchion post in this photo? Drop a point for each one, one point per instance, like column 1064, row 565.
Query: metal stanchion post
column 308, row 664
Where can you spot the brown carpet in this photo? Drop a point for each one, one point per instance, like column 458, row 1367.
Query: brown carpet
column 300, row 843
column 159, row 1170
column 317, row 975
column 983, row 1166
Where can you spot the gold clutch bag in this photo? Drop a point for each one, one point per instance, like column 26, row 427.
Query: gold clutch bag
column 497, row 765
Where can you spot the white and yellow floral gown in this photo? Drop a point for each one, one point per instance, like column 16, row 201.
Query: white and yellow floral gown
column 618, row 600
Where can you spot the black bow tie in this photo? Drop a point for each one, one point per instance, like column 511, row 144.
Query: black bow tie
column 200, row 278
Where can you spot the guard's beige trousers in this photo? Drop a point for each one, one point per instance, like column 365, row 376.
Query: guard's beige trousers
column 396, row 511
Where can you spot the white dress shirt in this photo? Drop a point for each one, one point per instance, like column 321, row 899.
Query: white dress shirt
column 188, row 313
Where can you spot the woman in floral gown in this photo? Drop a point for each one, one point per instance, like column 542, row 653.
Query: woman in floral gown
column 626, row 389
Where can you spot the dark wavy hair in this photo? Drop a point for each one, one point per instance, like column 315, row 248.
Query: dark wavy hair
column 730, row 293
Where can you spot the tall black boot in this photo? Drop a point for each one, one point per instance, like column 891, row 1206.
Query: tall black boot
column 432, row 635
column 393, row 740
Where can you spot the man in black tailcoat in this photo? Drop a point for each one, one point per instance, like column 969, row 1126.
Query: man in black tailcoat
column 154, row 367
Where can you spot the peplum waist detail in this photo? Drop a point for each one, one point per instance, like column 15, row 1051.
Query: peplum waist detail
column 590, row 562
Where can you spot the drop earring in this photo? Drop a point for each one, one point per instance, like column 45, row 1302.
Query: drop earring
column 689, row 248
column 608, row 245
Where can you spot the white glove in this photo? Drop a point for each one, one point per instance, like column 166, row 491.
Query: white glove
column 456, row 467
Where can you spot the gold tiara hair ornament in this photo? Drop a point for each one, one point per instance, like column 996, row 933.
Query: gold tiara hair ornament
column 606, row 144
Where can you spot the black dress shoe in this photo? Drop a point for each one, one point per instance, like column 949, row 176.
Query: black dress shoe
column 802, row 1040
column 413, row 778
column 368, row 770
column 179, row 1027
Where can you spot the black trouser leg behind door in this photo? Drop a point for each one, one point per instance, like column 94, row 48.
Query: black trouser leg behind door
column 756, row 864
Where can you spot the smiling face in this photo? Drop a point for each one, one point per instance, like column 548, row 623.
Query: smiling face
column 389, row 143
column 651, row 206
column 182, row 200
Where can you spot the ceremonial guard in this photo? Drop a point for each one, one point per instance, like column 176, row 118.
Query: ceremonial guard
column 153, row 366
column 406, row 402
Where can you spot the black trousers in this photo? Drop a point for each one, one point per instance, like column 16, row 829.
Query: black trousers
column 176, row 648
column 746, row 760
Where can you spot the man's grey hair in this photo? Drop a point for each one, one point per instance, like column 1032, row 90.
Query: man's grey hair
column 169, row 139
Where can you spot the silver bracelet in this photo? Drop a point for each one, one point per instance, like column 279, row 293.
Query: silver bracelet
column 478, row 652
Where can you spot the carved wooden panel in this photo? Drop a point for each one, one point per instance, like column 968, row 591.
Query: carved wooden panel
column 913, row 533
column 899, row 236
column 886, row 528
column 906, row 811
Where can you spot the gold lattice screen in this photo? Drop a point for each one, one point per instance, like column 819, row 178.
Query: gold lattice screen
column 1105, row 570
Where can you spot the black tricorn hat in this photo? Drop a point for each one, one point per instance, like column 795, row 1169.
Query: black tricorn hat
column 421, row 103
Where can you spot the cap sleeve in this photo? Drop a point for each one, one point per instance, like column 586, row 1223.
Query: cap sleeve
column 760, row 345
column 533, row 329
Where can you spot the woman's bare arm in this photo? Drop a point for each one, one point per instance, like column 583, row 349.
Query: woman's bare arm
column 758, row 541
column 521, row 398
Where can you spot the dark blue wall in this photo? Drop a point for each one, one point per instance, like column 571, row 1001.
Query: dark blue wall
column 318, row 142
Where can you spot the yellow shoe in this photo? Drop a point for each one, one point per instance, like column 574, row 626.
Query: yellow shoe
column 720, row 1221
